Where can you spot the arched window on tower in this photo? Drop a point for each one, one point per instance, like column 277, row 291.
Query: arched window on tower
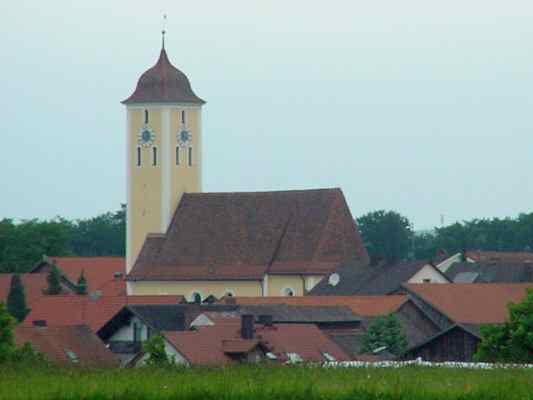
column 190, row 157
column 177, row 155
column 139, row 154
column 154, row 156
column 183, row 120
column 145, row 116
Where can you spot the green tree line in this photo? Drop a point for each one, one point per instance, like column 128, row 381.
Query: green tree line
column 388, row 235
column 22, row 244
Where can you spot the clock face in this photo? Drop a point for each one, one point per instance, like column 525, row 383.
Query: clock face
column 184, row 137
column 146, row 137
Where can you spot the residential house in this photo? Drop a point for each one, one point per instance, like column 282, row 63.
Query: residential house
column 225, row 338
column 459, row 310
column 381, row 279
column 490, row 272
column 74, row 345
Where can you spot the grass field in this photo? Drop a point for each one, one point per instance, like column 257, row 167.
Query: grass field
column 259, row 383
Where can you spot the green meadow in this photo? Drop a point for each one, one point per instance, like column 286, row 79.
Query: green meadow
column 248, row 382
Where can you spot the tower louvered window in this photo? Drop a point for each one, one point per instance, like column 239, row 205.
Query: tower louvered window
column 139, row 154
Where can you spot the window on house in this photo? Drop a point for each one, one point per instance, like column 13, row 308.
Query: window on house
column 294, row 357
column 177, row 155
column 139, row 154
column 271, row 356
column 145, row 116
column 72, row 356
column 196, row 297
column 137, row 329
column 183, row 117
column 287, row 292
column 426, row 280
column 154, row 156
column 190, row 156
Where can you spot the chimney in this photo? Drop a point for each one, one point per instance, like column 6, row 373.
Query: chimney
column 266, row 320
column 247, row 326
column 180, row 321
column 40, row 323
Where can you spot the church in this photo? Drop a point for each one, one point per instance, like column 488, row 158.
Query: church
column 182, row 241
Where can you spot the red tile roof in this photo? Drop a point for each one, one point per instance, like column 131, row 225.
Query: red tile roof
column 34, row 285
column 471, row 303
column 209, row 345
column 504, row 256
column 55, row 343
column 99, row 272
column 76, row 310
column 366, row 306
column 163, row 83
column 244, row 235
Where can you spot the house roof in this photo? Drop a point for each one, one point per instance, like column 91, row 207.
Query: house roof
column 303, row 314
column 360, row 305
column 503, row 256
column 163, row 83
column 99, row 272
column 66, row 344
column 34, row 285
column 207, row 344
column 77, row 310
column 221, row 236
column 371, row 280
column 476, row 303
column 490, row 272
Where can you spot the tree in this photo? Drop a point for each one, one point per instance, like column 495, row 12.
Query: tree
column 16, row 299
column 157, row 356
column 54, row 280
column 81, row 287
column 385, row 332
column 511, row 341
column 387, row 235
column 7, row 340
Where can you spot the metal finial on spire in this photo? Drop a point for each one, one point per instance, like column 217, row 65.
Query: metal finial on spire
column 164, row 30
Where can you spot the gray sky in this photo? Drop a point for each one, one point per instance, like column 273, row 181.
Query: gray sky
column 419, row 106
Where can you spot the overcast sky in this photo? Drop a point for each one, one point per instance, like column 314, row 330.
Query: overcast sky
column 424, row 107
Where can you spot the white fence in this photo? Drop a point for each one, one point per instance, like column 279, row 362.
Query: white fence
column 420, row 363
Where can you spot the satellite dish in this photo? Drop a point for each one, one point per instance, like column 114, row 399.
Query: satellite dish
column 334, row 279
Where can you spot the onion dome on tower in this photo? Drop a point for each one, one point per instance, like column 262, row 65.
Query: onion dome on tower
column 163, row 83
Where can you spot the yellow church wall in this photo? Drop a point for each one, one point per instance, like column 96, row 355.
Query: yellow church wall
column 205, row 288
column 185, row 179
column 145, row 181
column 277, row 284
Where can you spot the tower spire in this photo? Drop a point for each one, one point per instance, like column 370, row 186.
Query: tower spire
column 164, row 31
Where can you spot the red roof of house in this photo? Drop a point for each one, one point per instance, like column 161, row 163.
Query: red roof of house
column 504, row 256
column 220, row 236
column 57, row 342
column 210, row 345
column 76, row 310
column 366, row 306
column 34, row 285
column 471, row 303
column 99, row 272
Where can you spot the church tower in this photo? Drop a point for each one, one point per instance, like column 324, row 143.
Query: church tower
column 164, row 150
